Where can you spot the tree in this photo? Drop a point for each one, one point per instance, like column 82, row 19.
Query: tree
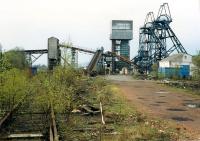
column 154, row 71
column 14, row 86
column 67, row 53
column 196, row 69
column 4, row 64
column 16, row 58
column 41, row 67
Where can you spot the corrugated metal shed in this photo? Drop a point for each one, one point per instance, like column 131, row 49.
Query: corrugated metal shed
column 174, row 57
column 176, row 60
column 176, row 65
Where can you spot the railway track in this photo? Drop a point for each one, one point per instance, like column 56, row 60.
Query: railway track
column 28, row 122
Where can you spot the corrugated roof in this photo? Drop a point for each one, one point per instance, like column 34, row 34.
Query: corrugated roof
column 174, row 57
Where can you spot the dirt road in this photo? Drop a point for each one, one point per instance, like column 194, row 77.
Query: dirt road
column 158, row 101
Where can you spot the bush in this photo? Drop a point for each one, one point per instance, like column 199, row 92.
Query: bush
column 196, row 69
column 14, row 86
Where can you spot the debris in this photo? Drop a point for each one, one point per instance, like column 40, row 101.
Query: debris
column 89, row 110
column 102, row 118
column 27, row 135
column 76, row 111
column 112, row 133
column 85, row 129
column 161, row 131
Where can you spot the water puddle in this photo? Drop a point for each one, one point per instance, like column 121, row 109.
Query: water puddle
column 155, row 104
column 160, row 102
column 162, row 92
column 193, row 105
column 176, row 109
column 188, row 100
column 182, row 119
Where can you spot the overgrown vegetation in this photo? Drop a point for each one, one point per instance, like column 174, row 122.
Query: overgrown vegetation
column 196, row 69
column 61, row 88
column 154, row 71
column 14, row 58
column 68, row 90
column 14, row 81
column 14, row 86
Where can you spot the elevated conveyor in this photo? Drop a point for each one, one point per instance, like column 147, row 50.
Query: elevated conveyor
column 95, row 59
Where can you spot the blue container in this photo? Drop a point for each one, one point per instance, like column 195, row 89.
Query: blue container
column 183, row 71
column 169, row 72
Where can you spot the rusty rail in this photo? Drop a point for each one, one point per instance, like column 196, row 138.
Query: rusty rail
column 53, row 132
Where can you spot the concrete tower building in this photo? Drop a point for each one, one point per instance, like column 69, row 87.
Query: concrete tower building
column 122, row 33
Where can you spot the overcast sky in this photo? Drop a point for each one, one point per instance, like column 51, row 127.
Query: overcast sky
column 28, row 23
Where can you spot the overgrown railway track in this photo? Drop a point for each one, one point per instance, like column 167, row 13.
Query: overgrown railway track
column 26, row 121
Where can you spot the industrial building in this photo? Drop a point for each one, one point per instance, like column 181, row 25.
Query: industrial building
column 157, row 41
column 122, row 33
column 179, row 65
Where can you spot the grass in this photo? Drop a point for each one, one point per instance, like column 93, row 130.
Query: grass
column 118, row 103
